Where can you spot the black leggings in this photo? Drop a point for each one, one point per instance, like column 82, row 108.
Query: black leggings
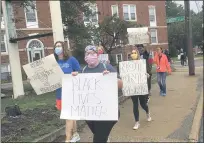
column 149, row 81
column 143, row 103
column 100, row 130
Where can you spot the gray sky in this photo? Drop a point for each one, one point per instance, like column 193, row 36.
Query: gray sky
column 193, row 5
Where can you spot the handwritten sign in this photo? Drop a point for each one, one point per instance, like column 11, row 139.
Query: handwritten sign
column 133, row 74
column 90, row 97
column 45, row 74
column 138, row 35
column 103, row 57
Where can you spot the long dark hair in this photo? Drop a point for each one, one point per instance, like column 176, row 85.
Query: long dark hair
column 66, row 52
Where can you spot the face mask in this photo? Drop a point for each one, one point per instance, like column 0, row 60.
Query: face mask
column 134, row 56
column 92, row 60
column 58, row 50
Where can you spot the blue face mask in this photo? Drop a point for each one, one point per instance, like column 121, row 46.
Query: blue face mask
column 58, row 50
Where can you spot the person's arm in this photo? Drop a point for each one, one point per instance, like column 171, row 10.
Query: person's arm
column 75, row 64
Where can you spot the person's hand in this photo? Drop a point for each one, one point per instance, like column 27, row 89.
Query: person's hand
column 147, row 75
column 74, row 73
column 105, row 72
column 169, row 72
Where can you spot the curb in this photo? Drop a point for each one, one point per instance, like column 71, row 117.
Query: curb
column 194, row 134
column 61, row 131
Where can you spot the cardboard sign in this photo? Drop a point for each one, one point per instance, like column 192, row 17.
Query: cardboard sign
column 103, row 57
column 138, row 35
column 91, row 96
column 45, row 74
column 134, row 77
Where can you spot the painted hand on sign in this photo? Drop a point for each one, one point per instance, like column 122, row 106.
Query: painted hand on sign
column 44, row 75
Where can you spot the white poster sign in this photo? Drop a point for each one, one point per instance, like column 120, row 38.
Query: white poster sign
column 45, row 74
column 134, row 77
column 138, row 35
column 92, row 96
column 103, row 57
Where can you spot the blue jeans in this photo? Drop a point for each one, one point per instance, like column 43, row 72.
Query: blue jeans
column 161, row 79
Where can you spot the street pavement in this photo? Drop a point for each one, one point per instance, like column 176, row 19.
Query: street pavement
column 197, row 62
column 172, row 115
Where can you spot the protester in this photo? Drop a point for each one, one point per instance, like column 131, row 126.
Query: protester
column 142, row 98
column 162, row 66
column 166, row 52
column 144, row 54
column 101, row 51
column 69, row 65
column 100, row 129
column 182, row 57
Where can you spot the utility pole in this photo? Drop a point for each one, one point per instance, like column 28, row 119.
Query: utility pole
column 188, row 31
column 13, row 50
column 56, row 17
column 0, row 48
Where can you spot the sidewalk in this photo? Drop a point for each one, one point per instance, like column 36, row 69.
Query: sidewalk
column 172, row 115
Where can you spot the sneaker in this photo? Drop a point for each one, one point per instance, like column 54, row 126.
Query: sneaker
column 137, row 125
column 163, row 94
column 149, row 118
column 160, row 93
column 75, row 138
column 108, row 141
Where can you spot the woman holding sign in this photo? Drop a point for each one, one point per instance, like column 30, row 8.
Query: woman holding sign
column 69, row 65
column 139, row 98
column 100, row 129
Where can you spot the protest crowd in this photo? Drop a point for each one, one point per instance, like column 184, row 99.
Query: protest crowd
column 91, row 93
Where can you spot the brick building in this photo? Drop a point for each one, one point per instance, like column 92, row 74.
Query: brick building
column 32, row 21
column 28, row 22
column 148, row 13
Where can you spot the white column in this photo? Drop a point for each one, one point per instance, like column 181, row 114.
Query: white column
column 57, row 27
column 13, row 51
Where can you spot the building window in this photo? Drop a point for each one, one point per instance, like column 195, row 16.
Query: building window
column 114, row 9
column 5, row 72
column 152, row 16
column 153, row 33
column 3, row 43
column 31, row 15
column 129, row 12
column 129, row 57
column 35, row 50
column 94, row 18
column 119, row 58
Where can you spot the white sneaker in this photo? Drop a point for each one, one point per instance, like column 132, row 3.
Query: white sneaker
column 108, row 141
column 137, row 125
column 149, row 117
column 75, row 138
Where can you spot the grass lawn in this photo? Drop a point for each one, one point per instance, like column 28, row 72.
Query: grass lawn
column 30, row 102
column 39, row 117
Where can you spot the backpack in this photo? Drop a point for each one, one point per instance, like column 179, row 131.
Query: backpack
column 104, row 65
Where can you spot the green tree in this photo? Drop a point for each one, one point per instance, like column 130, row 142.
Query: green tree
column 112, row 30
column 176, row 31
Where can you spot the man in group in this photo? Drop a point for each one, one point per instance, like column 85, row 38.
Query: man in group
column 144, row 54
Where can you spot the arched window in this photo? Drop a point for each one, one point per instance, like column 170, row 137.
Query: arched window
column 35, row 50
